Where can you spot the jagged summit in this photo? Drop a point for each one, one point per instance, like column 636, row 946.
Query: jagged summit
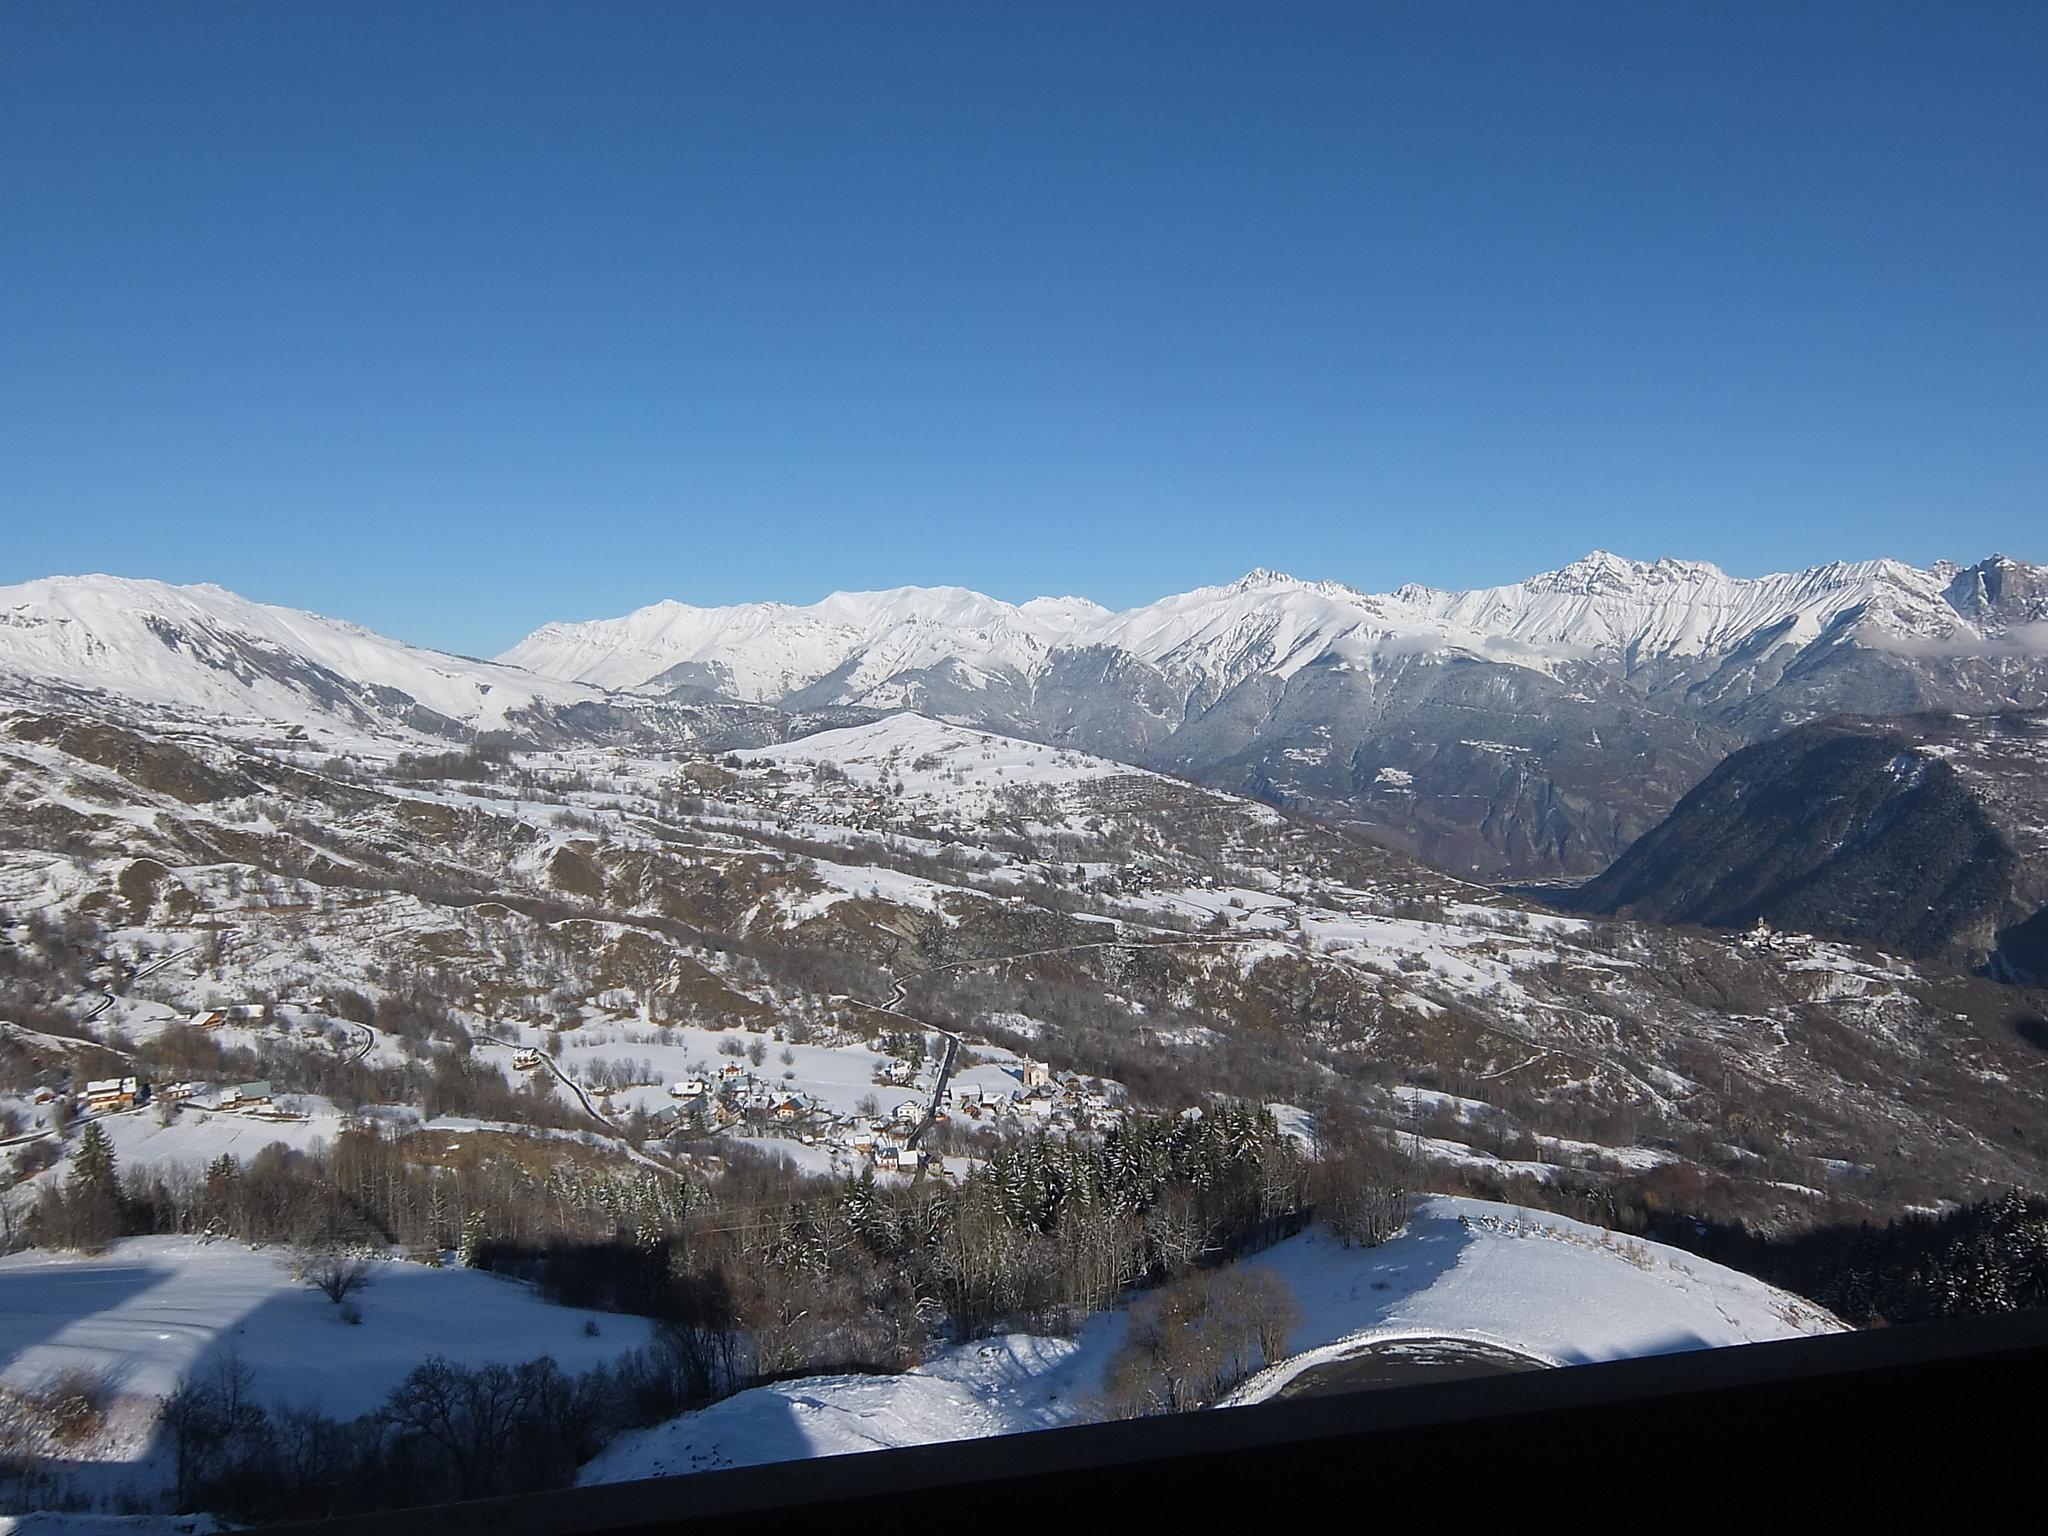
column 1610, row 574
column 1265, row 619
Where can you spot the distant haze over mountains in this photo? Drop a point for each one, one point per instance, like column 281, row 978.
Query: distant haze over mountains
column 1529, row 730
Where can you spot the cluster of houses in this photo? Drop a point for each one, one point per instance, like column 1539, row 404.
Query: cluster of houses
column 253, row 1013
column 111, row 1095
column 1042, row 1100
column 733, row 1095
column 886, row 1143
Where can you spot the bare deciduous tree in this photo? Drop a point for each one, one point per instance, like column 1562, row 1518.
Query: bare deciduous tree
column 338, row 1275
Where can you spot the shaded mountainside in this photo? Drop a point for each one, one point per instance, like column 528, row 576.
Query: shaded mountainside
column 1924, row 835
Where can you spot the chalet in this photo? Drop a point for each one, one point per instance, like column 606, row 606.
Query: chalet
column 688, row 1088
column 246, row 1095
column 1040, row 1108
column 527, row 1061
column 892, row 1155
column 210, row 1018
column 789, row 1109
column 908, row 1112
column 110, row 1093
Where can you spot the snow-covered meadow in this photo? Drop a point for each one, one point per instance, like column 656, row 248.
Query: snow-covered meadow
column 152, row 1313
column 1539, row 1285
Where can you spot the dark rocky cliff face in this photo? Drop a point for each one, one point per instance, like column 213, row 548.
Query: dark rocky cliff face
column 1922, row 836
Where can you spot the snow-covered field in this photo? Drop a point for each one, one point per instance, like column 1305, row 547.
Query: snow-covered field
column 1000, row 1386
column 1527, row 1281
column 1540, row 1285
column 152, row 1312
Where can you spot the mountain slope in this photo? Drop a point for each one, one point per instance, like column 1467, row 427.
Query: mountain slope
column 1532, row 730
column 201, row 655
column 1536, row 728
column 204, row 649
column 1926, row 835
column 1641, row 613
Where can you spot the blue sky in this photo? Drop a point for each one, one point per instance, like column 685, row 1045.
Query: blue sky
column 457, row 318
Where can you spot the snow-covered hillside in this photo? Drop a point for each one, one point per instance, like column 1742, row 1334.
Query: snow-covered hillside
column 1540, row 1285
column 152, row 1312
column 764, row 651
column 934, row 768
column 1534, row 729
column 203, row 649
column 1529, row 729
column 1266, row 622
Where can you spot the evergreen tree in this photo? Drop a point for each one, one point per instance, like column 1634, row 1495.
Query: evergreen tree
column 94, row 1195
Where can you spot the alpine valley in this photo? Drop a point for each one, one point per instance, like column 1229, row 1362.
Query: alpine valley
column 894, row 996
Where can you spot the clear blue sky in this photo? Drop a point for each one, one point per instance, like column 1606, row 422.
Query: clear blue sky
column 456, row 318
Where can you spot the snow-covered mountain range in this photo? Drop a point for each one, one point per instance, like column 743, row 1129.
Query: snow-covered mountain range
column 204, row 649
column 870, row 642
column 1529, row 729
column 1532, row 729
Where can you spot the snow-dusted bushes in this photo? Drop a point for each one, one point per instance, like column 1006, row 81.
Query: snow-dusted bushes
column 1361, row 1183
column 1190, row 1342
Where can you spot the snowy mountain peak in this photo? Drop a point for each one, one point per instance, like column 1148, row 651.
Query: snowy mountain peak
column 1605, row 574
column 1264, row 621
column 204, row 648
column 1261, row 580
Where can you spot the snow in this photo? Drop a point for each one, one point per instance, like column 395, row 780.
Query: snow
column 1000, row 1386
column 836, row 1077
column 205, row 648
column 941, row 767
column 1540, row 1285
column 874, row 646
column 198, row 1136
column 153, row 1312
column 1558, row 1290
